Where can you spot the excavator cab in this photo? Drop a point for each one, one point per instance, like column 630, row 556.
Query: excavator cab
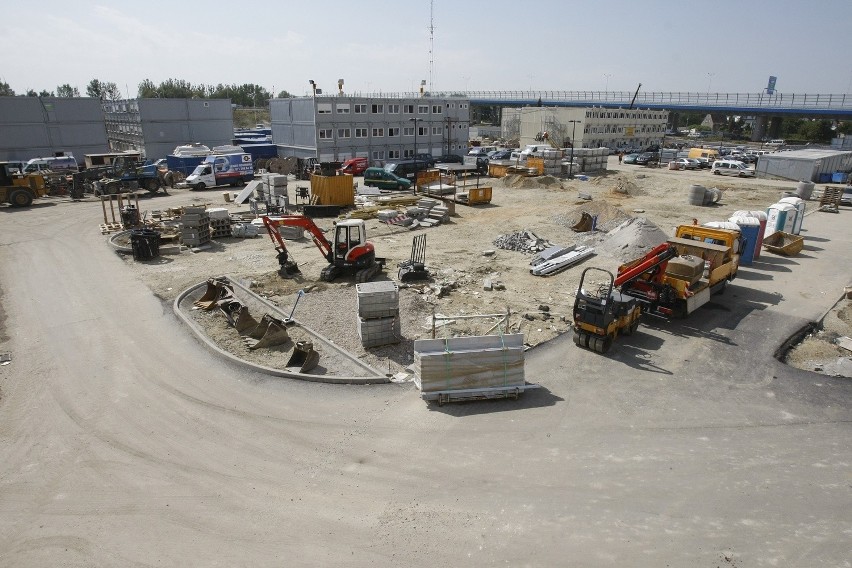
column 348, row 235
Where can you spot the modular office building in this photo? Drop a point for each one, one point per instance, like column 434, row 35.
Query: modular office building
column 380, row 128
column 36, row 127
column 155, row 127
column 810, row 164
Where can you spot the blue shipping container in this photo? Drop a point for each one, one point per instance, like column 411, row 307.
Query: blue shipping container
column 259, row 151
column 824, row 178
column 838, row 177
column 183, row 164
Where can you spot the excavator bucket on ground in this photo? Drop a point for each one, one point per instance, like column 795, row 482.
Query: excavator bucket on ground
column 303, row 359
column 271, row 332
column 585, row 224
column 244, row 322
column 217, row 290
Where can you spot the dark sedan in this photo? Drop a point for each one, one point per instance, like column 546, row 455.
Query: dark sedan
column 630, row 158
column 647, row 158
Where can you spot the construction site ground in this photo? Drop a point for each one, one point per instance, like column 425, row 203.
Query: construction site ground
column 461, row 256
column 125, row 441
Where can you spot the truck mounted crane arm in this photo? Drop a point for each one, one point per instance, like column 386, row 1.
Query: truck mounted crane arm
column 663, row 253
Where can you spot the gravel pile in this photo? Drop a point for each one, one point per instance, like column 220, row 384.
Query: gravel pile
column 522, row 241
column 633, row 238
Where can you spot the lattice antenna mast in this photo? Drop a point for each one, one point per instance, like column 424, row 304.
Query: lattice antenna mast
column 431, row 42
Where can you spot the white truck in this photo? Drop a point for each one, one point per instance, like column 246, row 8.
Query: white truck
column 222, row 169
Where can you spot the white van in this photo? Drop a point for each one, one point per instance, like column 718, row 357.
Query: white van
column 52, row 163
column 731, row 168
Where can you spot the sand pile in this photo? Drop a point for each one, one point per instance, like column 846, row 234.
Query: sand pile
column 609, row 216
column 632, row 238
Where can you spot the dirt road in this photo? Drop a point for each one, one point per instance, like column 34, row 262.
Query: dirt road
column 124, row 442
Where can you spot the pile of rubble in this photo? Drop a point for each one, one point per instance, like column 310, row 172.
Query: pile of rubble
column 426, row 213
column 522, row 241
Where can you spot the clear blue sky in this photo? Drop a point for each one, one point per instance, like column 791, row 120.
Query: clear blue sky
column 383, row 45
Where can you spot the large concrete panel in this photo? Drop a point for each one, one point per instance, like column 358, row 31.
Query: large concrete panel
column 210, row 109
column 163, row 109
column 21, row 110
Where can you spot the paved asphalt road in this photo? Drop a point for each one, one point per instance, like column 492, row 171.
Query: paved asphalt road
column 123, row 442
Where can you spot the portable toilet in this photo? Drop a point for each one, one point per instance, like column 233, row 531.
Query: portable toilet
column 780, row 217
column 750, row 230
column 760, row 216
column 799, row 203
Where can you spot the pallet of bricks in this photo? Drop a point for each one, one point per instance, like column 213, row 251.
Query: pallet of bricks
column 378, row 313
column 587, row 160
column 220, row 222
column 195, row 226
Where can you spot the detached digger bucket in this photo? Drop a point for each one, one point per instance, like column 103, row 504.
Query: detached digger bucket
column 584, row 225
column 216, row 290
column 244, row 322
column 268, row 333
column 303, row 359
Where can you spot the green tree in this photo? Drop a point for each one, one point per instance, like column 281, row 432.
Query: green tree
column 147, row 89
column 31, row 93
column 284, row 95
column 46, row 93
column 66, row 90
column 6, row 90
column 105, row 91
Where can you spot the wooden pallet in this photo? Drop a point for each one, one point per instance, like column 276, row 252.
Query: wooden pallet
column 107, row 228
column 830, row 199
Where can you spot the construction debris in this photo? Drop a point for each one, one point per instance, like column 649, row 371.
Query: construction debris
column 522, row 241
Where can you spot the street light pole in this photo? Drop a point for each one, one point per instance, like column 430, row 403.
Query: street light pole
column 573, row 132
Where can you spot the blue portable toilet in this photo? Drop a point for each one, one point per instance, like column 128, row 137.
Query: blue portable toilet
column 799, row 204
column 750, row 230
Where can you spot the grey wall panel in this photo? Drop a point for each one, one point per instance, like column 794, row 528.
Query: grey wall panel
column 280, row 110
column 304, row 135
column 75, row 110
column 162, row 109
column 23, row 136
column 20, row 110
column 210, row 109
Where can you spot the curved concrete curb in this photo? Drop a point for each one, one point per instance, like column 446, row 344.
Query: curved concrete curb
column 378, row 379
column 800, row 334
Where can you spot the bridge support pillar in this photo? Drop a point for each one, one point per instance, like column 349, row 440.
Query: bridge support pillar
column 775, row 127
column 674, row 120
column 758, row 132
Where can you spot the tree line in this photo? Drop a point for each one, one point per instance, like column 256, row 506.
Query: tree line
column 246, row 95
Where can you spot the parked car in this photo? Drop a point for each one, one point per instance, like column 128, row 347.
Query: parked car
column 846, row 197
column 646, row 159
column 731, row 168
column 630, row 158
column 427, row 159
column 449, row 159
column 501, row 155
column 383, row 179
column 481, row 150
column 686, row 164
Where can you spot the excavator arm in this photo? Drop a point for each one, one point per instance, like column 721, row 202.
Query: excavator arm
column 298, row 221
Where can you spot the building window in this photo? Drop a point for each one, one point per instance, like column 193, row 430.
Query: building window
column 422, row 130
column 408, row 153
column 408, row 131
column 393, row 109
column 423, row 109
column 360, row 109
column 343, row 133
column 325, row 134
column 436, row 130
column 378, row 132
column 378, row 109
column 393, row 154
column 378, row 154
column 408, row 109
column 343, row 108
column 437, row 109
column 323, row 108
column 360, row 133
column 393, row 132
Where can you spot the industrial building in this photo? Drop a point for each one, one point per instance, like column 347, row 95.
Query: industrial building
column 589, row 127
column 34, row 127
column 333, row 128
column 155, row 127
column 810, row 164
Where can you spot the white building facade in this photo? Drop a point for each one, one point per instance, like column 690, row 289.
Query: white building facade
column 618, row 129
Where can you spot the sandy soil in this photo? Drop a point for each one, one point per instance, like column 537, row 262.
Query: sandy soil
column 461, row 255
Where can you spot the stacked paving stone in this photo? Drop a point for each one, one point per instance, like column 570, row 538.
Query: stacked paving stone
column 220, row 223
column 587, row 160
column 195, row 226
column 378, row 313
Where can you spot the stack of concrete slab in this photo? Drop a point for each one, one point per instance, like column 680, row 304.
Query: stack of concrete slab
column 220, row 222
column 588, row 160
column 461, row 363
column 275, row 185
column 195, row 226
column 378, row 313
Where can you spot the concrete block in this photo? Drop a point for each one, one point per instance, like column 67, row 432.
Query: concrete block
column 379, row 331
column 377, row 299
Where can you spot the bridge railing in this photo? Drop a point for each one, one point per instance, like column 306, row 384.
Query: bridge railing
column 785, row 100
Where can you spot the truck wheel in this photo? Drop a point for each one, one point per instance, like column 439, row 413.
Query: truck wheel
column 152, row 185
column 199, row 186
column 21, row 198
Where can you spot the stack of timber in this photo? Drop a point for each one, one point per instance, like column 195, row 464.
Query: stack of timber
column 464, row 363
